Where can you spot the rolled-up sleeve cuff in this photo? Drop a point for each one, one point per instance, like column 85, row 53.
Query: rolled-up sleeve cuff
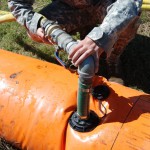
column 102, row 39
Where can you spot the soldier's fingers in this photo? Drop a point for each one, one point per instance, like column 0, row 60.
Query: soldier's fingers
column 77, row 54
column 96, row 62
column 40, row 32
column 74, row 50
column 82, row 57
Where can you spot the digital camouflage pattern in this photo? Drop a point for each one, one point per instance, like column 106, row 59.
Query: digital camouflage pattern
column 110, row 23
column 81, row 3
column 78, row 3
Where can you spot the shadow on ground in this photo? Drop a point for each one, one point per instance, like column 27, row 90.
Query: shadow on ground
column 135, row 63
column 40, row 54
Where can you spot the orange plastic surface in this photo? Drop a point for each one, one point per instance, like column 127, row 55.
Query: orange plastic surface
column 37, row 99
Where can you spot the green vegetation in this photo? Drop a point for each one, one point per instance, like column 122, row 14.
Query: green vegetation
column 14, row 38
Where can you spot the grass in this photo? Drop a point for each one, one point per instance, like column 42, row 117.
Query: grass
column 20, row 43
column 134, row 61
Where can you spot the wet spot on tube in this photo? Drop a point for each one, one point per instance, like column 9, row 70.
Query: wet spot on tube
column 12, row 123
column 17, row 82
column 1, row 107
column 39, row 67
column 14, row 75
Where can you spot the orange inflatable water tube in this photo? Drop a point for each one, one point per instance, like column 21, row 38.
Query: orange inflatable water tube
column 37, row 98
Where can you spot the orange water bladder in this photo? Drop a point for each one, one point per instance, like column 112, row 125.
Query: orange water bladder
column 37, row 99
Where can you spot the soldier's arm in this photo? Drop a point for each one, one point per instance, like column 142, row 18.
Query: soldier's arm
column 119, row 15
column 24, row 14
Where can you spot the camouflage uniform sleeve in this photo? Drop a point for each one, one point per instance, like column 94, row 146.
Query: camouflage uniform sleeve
column 23, row 12
column 119, row 15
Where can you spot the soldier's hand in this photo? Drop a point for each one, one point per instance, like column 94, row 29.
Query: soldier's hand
column 40, row 32
column 84, row 49
column 41, row 35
